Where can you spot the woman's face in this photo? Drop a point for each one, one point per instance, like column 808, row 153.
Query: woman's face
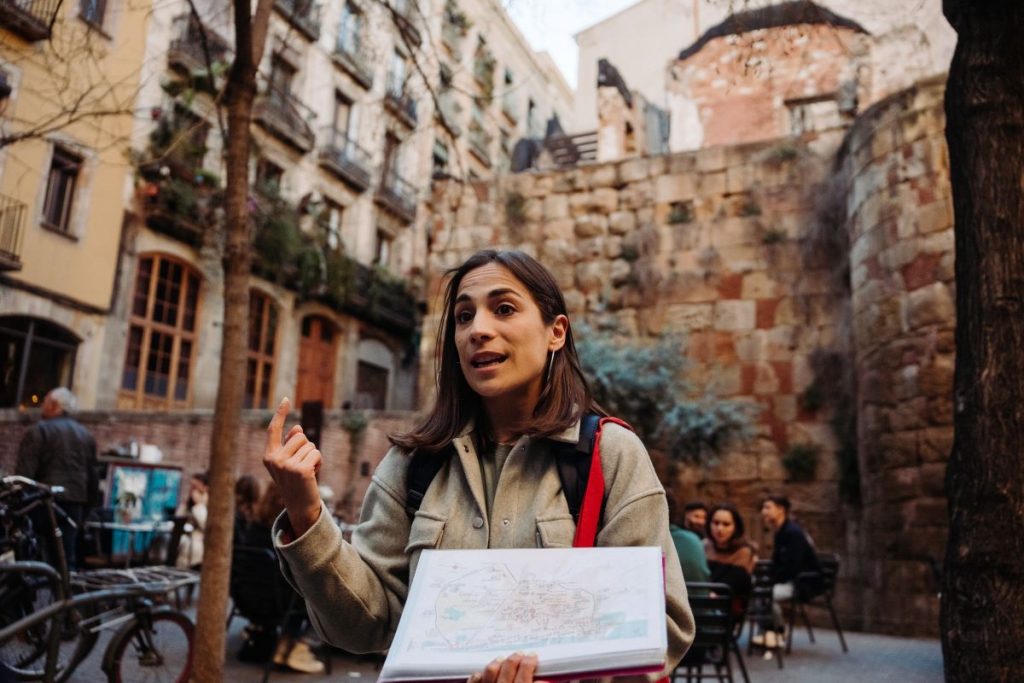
column 501, row 337
column 722, row 527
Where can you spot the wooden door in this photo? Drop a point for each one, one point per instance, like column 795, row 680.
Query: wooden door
column 317, row 349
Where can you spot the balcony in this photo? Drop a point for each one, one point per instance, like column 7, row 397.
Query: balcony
column 479, row 143
column 30, row 19
column 12, row 230
column 283, row 115
column 303, row 15
column 381, row 299
column 186, row 50
column 347, row 160
column 404, row 15
column 400, row 104
column 351, row 56
column 175, row 208
column 397, row 195
column 448, row 110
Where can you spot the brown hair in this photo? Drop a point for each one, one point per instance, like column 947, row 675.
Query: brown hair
column 564, row 397
column 269, row 506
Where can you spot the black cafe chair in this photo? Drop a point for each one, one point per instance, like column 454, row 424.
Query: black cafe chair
column 715, row 638
column 759, row 612
column 816, row 590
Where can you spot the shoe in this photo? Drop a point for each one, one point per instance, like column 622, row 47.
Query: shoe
column 757, row 639
column 302, row 659
column 283, row 649
column 771, row 640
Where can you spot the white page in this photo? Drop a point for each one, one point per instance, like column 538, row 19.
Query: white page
column 579, row 609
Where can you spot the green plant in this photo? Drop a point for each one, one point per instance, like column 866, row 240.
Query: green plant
column 773, row 236
column 354, row 422
column 680, row 212
column 515, row 213
column 277, row 243
column 801, row 461
column 784, row 152
column 750, row 208
column 642, row 383
column 813, row 397
column 630, row 252
column 456, row 17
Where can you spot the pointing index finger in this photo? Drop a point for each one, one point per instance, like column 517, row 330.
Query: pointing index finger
column 277, row 423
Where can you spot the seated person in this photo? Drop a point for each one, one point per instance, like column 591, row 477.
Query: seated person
column 190, row 548
column 731, row 557
column 688, row 547
column 792, row 554
column 247, row 493
column 290, row 650
column 695, row 517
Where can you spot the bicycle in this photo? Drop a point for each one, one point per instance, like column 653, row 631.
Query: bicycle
column 55, row 617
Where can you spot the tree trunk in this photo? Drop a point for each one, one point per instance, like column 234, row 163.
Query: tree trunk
column 210, row 640
column 983, row 587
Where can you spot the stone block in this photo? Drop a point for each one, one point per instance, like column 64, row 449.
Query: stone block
column 554, row 251
column 591, row 225
column 908, row 415
column 735, row 467
column 633, row 170
column 575, row 302
column 613, row 247
column 605, row 175
column 621, row 222
column 604, row 200
column 936, row 444
column 563, row 228
column 556, row 206
column 568, row 181
column 784, row 407
column 590, row 276
column 638, row 195
column 750, row 347
column 674, row 188
column 759, row 285
column 766, row 382
column 688, row 317
column 935, row 216
column 590, row 249
column 735, row 315
column 711, row 158
column 931, row 305
column 621, row 271
column 900, row 484
column 712, row 184
column 940, row 410
column 898, row 450
column 579, row 203
column 936, row 379
column 927, row 512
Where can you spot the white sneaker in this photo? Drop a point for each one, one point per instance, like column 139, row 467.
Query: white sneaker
column 302, row 659
column 757, row 639
column 771, row 640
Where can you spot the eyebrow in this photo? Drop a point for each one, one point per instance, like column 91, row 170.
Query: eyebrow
column 493, row 294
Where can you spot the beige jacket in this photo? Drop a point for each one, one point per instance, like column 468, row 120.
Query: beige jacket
column 355, row 592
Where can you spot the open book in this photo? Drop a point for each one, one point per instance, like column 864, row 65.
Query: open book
column 584, row 611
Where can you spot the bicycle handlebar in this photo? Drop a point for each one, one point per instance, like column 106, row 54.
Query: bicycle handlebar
column 29, row 499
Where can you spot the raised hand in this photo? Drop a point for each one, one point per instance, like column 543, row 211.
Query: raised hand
column 517, row 668
column 293, row 463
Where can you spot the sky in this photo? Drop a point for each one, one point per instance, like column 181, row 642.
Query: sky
column 551, row 24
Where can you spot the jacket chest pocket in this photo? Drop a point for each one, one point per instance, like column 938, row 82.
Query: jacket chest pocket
column 555, row 532
column 425, row 533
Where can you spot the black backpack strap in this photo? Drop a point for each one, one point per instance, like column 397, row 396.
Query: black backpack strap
column 423, row 467
column 573, row 460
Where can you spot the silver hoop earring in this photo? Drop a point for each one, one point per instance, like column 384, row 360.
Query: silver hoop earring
column 551, row 365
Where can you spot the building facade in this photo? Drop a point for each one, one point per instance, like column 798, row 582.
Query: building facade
column 68, row 78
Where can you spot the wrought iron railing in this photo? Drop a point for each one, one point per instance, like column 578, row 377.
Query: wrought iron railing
column 398, row 194
column 352, row 55
column 400, row 101
column 345, row 157
column 31, row 19
column 186, row 47
column 286, row 116
column 303, row 15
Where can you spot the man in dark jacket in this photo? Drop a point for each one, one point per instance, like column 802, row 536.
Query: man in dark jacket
column 792, row 555
column 58, row 451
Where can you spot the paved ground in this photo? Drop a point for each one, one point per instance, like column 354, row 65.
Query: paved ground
column 879, row 659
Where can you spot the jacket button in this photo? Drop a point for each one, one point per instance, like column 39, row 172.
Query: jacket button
column 506, row 522
column 478, row 522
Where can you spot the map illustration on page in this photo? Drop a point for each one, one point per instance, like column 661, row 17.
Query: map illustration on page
column 582, row 610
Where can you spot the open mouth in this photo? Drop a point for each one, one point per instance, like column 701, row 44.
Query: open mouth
column 488, row 361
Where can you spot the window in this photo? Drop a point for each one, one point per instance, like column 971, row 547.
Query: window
column 282, row 74
column 93, row 11
column 350, row 29
column 532, row 123
column 330, row 221
column 259, row 369
column 382, row 257
column 371, row 386
column 269, row 177
column 35, row 356
column 397, row 75
column 162, row 335
column 392, row 146
column 440, row 159
column 60, row 189
column 344, row 120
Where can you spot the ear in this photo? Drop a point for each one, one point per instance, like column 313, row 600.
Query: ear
column 559, row 329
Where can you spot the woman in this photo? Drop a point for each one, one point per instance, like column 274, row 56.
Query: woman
column 509, row 382
column 190, row 548
column 731, row 558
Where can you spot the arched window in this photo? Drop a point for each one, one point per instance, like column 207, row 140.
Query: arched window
column 35, row 356
column 259, row 370
column 162, row 336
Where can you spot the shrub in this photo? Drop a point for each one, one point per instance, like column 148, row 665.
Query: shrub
column 801, row 461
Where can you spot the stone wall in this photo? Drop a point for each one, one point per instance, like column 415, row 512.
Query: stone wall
column 900, row 217
column 184, row 439
column 811, row 285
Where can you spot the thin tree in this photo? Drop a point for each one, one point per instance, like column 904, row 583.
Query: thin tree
column 239, row 95
column 983, row 587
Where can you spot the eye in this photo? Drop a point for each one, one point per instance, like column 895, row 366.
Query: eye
column 505, row 309
column 464, row 316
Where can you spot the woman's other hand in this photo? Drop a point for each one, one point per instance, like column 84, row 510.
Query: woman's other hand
column 517, row 668
column 293, row 463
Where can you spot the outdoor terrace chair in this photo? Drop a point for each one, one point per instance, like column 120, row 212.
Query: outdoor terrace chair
column 815, row 590
column 715, row 638
column 759, row 611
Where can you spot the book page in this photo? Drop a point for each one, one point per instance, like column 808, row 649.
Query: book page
column 577, row 608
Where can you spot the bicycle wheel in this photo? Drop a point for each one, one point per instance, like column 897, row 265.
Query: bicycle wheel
column 24, row 655
column 155, row 647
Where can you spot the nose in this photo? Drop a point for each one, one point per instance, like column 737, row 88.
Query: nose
column 480, row 329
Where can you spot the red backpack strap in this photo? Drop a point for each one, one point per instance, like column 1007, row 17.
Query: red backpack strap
column 593, row 498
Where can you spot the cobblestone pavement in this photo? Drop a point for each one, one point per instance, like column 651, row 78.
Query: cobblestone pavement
column 879, row 659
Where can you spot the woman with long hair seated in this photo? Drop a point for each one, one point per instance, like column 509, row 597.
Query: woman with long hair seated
column 731, row 557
